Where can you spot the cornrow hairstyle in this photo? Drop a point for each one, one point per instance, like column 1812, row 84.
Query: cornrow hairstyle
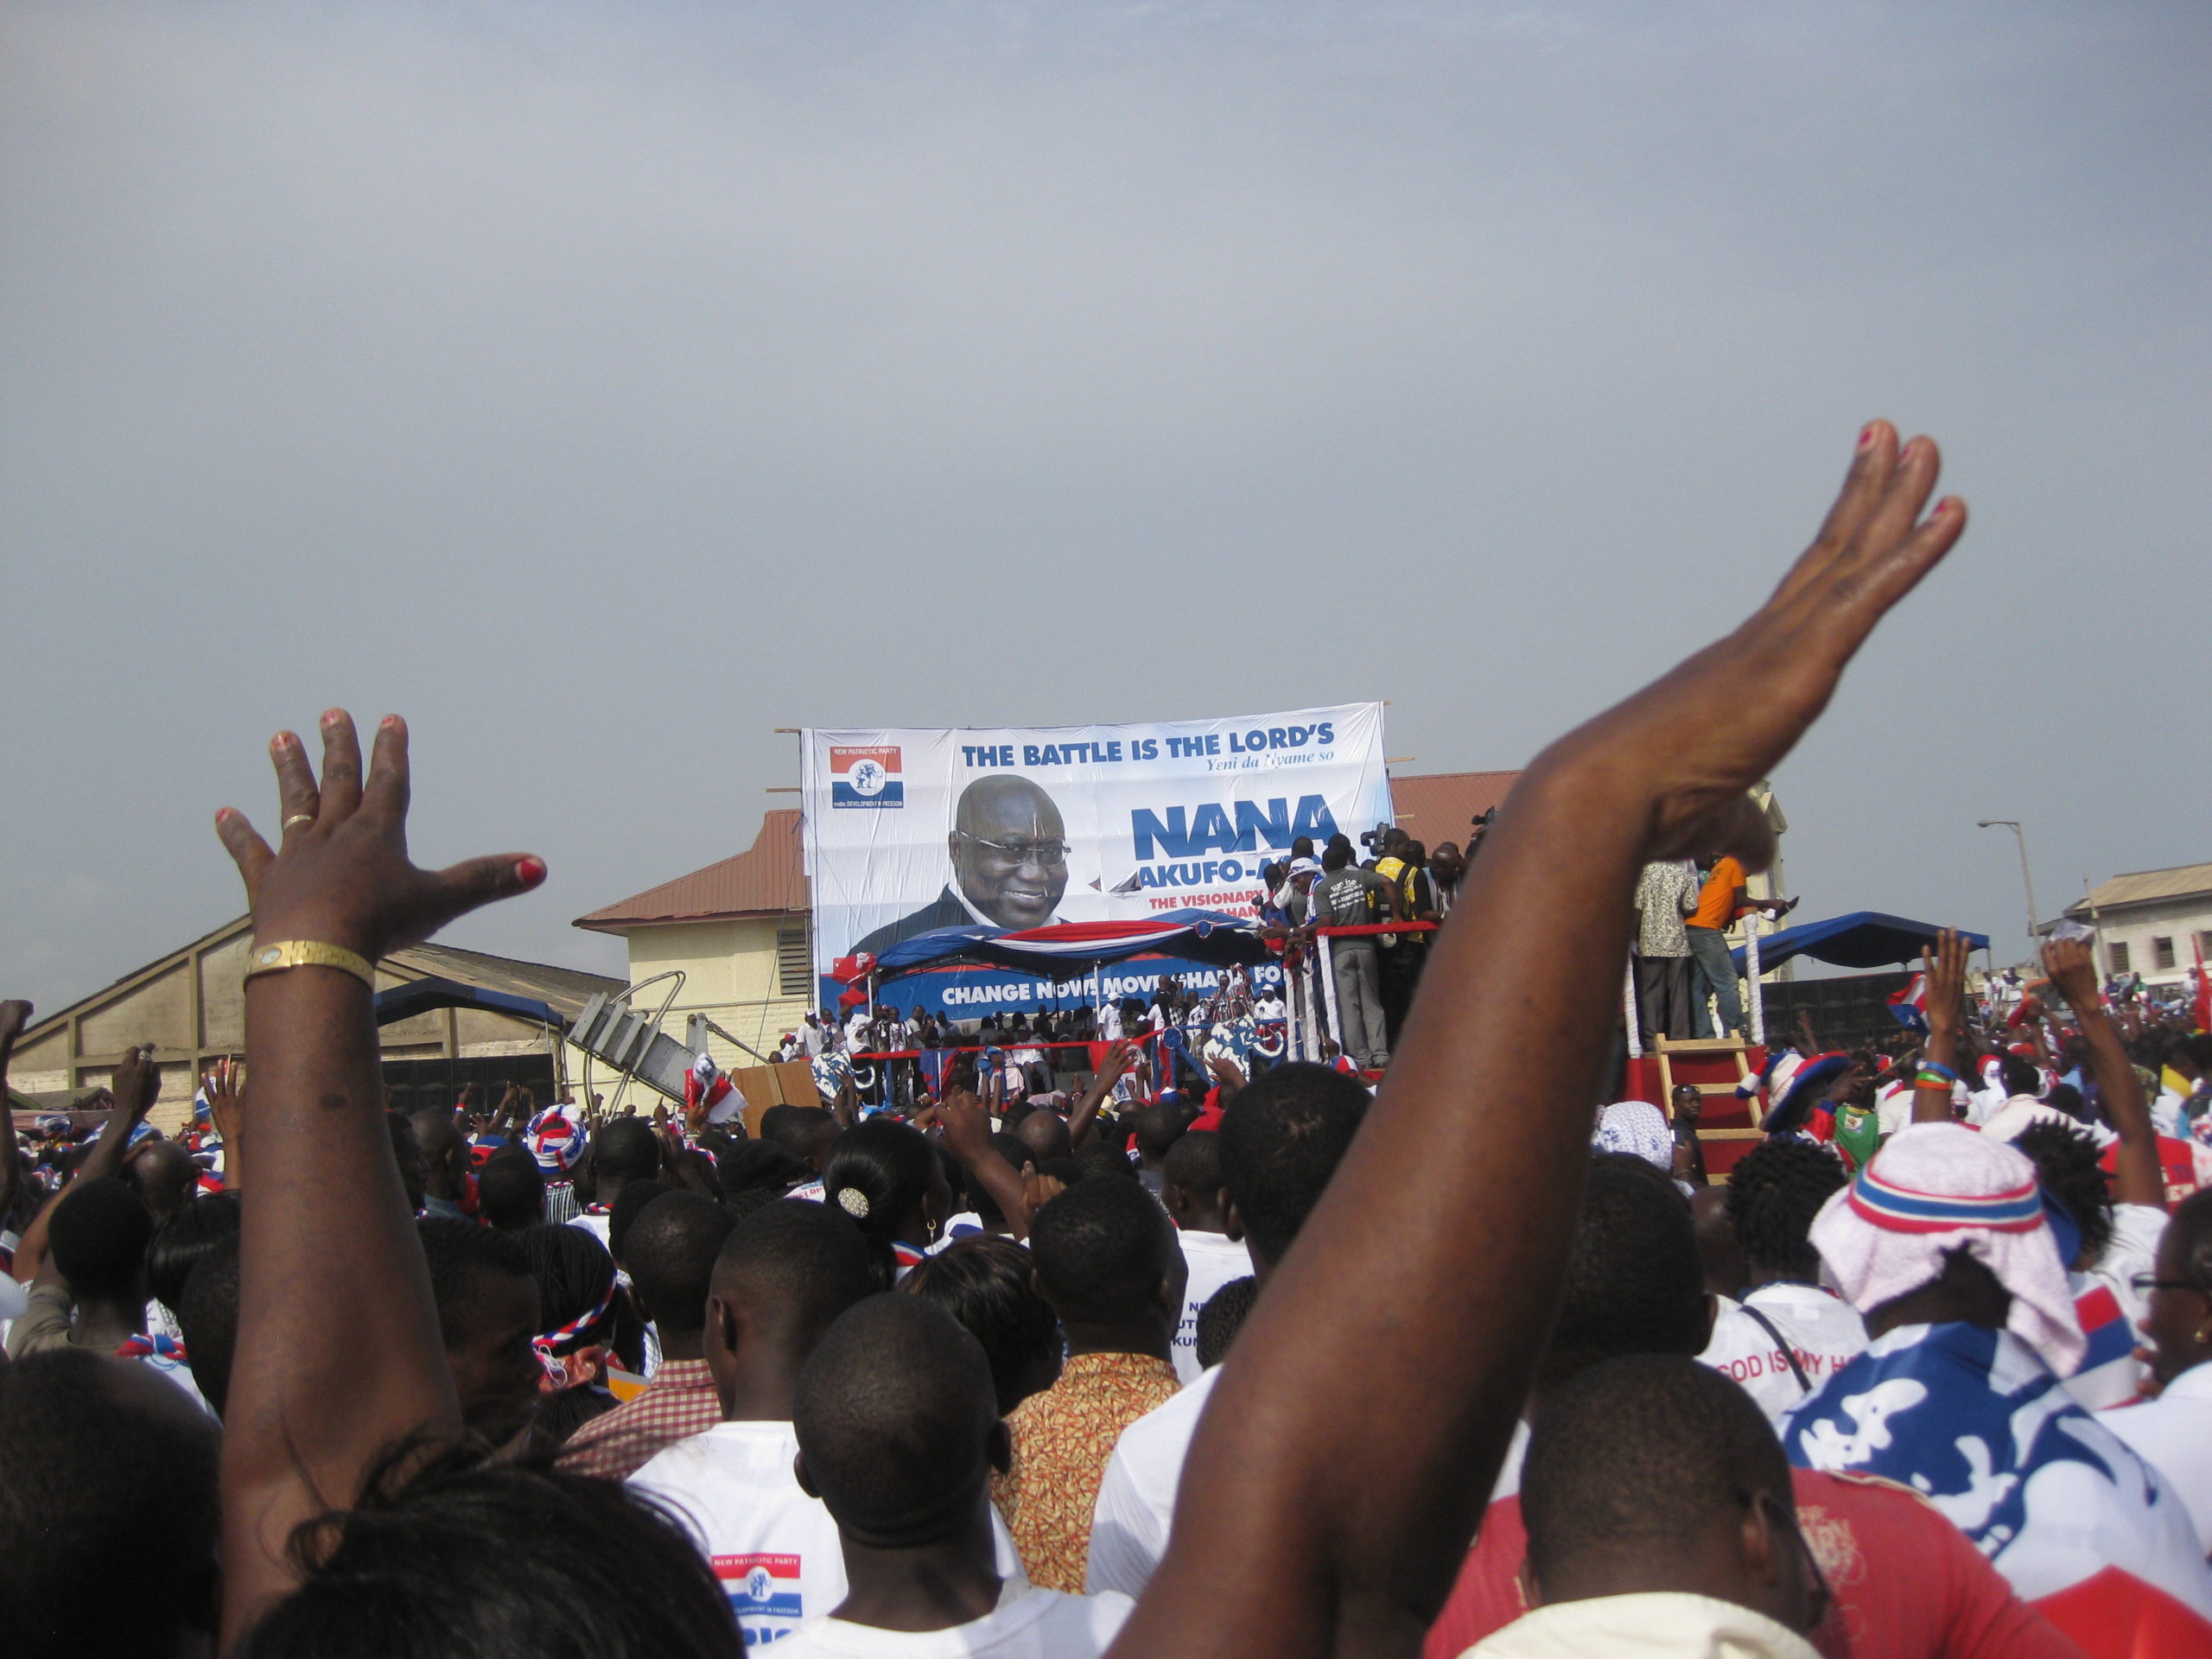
column 1223, row 1317
column 2067, row 1164
column 1773, row 1192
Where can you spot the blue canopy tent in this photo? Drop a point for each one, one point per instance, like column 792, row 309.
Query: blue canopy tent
column 1864, row 938
column 1208, row 936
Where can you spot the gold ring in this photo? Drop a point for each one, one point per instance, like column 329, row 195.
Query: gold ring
column 296, row 818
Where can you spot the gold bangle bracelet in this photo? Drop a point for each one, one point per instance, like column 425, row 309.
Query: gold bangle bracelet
column 310, row 953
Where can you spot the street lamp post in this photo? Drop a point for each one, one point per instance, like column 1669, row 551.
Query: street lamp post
column 2026, row 880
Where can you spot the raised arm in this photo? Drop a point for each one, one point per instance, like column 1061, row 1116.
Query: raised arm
column 134, row 1086
column 1352, row 1443
column 1121, row 1054
column 968, row 1135
column 1946, row 969
column 2136, row 1176
column 226, row 1086
column 338, row 1349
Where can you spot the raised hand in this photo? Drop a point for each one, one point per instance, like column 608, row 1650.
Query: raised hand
column 2074, row 972
column 341, row 875
column 135, row 1084
column 1121, row 1055
column 225, row 1084
column 967, row 1125
column 1946, row 968
column 2137, row 1176
column 968, row 1135
column 1704, row 733
column 1342, row 1464
column 330, row 1249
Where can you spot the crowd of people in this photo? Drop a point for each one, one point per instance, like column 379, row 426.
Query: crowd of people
column 1441, row 1347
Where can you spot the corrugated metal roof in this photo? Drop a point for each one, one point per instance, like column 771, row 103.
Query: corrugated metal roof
column 1439, row 807
column 2144, row 886
column 768, row 878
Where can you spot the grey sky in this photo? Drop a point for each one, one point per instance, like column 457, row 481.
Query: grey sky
column 603, row 386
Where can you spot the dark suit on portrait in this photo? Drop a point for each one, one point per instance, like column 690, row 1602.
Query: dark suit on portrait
column 947, row 911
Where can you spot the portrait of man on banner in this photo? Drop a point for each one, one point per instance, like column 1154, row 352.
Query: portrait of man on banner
column 1008, row 849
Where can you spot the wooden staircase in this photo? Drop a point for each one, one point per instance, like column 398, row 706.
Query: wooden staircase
column 1714, row 1067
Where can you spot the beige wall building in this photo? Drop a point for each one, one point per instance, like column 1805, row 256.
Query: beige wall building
column 736, row 933
column 2151, row 922
column 190, row 1004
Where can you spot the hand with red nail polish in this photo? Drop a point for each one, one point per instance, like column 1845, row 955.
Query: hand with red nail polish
column 345, row 878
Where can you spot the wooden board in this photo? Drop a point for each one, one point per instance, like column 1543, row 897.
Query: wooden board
column 791, row 1084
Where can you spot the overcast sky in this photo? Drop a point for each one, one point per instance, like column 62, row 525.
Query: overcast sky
column 605, row 386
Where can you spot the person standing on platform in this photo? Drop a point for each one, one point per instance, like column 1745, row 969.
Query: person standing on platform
column 1664, row 894
column 1350, row 897
column 1721, row 898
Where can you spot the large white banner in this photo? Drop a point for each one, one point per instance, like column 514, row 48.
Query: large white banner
column 911, row 830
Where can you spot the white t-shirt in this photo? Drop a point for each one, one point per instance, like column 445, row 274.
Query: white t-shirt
column 1653, row 1623
column 2105, row 1303
column 1136, row 1496
column 1824, row 1331
column 1027, row 1623
column 2023, row 1112
column 2173, row 1434
column 1130, row 1523
column 1214, row 1259
column 774, row 1548
column 1268, row 1008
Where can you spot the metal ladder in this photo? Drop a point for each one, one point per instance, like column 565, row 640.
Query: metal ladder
column 612, row 1029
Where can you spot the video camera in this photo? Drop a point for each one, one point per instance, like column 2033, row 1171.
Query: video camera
column 1372, row 839
column 1478, row 827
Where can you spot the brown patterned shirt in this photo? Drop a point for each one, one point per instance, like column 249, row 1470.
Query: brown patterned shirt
column 1062, row 1438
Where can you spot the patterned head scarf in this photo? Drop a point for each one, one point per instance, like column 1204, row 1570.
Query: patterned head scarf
column 1931, row 1189
column 556, row 1140
column 1638, row 1128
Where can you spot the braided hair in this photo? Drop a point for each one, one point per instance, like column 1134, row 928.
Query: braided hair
column 2067, row 1163
column 1773, row 1192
